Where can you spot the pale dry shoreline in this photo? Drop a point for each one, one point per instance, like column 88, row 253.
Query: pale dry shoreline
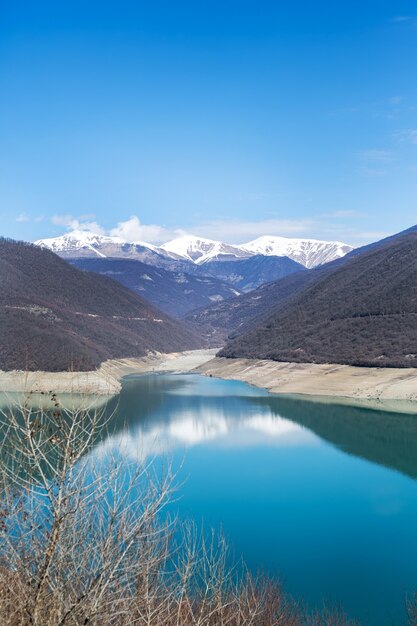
column 385, row 388
column 365, row 386
column 106, row 379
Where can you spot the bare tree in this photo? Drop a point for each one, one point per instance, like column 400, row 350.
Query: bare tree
column 76, row 534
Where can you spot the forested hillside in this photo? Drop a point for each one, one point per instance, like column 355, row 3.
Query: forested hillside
column 55, row 317
column 364, row 312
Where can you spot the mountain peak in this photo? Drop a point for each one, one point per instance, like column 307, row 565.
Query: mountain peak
column 76, row 240
column 199, row 249
column 308, row 252
column 85, row 243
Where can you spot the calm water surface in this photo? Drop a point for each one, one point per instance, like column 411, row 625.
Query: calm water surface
column 323, row 496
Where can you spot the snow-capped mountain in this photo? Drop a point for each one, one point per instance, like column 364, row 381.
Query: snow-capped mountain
column 78, row 240
column 200, row 250
column 83, row 244
column 194, row 251
column 308, row 252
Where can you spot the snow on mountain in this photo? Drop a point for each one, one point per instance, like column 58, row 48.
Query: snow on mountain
column 200, row 250
column 83, row 244
column 308, row 252
column 77, row 240
column 196, row 250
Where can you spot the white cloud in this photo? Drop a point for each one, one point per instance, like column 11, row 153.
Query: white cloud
column 130, row 230
column 84, row 222
column 133, row 230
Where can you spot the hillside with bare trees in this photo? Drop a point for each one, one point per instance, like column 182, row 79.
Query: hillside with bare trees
column 364, row 312
column 55, row 317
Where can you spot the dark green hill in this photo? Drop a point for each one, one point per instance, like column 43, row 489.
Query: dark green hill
column 55, row 317
column 363, row 312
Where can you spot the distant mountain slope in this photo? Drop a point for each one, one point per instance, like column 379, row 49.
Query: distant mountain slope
column 55, row 317
column 176, row 293
column 363, row 312
column 308, row 252
column 248, row 274
column 219, row 321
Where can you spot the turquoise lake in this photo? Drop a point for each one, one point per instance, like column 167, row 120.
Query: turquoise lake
column 320, row 495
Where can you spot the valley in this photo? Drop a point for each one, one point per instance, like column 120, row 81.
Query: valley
column 208, row 313
column 248, row 301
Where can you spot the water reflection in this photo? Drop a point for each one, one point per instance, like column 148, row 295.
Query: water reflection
column 164, row 414
column 386, row 438
column 157, row 414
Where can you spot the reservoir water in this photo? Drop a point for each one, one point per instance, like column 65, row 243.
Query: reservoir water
column 322, row 496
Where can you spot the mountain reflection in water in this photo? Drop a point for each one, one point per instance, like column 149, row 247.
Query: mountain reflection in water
column 157, row 414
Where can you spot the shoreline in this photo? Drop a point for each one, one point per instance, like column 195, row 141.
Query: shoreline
column 383, row 388
column 106, row 380
column 393, row 389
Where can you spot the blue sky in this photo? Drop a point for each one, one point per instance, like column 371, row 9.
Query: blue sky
column 224, row 119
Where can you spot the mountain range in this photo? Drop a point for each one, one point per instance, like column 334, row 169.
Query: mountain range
column 108, row 298
column 195, row 250
column 244, row 267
